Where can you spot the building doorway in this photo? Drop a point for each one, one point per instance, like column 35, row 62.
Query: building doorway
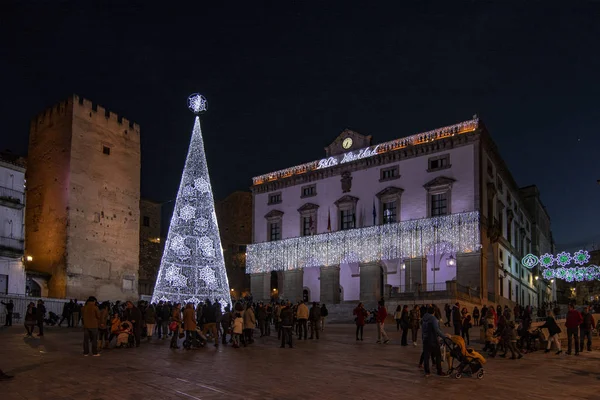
column 305, row 295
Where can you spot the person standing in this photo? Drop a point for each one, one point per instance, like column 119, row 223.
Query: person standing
column 30, row 319
column 9, row 312
column 360, row 313
column 237, row 329
column 587, row 326
column 398, row 316
column 414, row 322
column 91, row 318
column 103, row 325
column 134, row 315
column 189, row 321
column 324, row 314
column 574, row 320
column 40, row 314
column 75, row 314
column 66, row 313
column 163, row 323
column 315, row 320
column 466, row 325
column 456, row 319
column 150, row 321
column 553, row 332
column 381, row 316
column 476, row 316
column 302, row 316
column 431, row 348
column 287, row 321
column 405, row 325
column 448, row 311
column 176, row 317
column 249, row 324
column 261, row 315
column 226, row 321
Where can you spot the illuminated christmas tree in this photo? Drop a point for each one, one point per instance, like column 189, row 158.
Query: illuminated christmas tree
column 192, row 267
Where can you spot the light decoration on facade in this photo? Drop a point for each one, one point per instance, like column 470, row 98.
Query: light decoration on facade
column 192, row 267
column 562, row 260
column 414, row 140
column 455, row 233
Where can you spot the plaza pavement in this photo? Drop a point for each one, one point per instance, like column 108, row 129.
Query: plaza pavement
column 335, row 367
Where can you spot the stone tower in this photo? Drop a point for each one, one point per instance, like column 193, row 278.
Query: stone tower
column 83, row 193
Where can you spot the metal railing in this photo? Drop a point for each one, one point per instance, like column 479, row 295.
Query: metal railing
column 12, row 243
column 11, row 195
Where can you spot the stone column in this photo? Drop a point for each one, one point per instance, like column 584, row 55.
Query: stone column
column 330, row 284
column 468, row 269
column 260, row 286
column 293, row 284
column 415, row 271
column 370, row 283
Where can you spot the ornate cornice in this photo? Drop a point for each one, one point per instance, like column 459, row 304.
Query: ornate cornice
column 346, row 199
column 274, row 214
column 308, row 207
column 390, row 190
column 439, row 181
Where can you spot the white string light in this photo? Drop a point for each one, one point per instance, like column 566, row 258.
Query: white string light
column 192, row 267
column 456, row 233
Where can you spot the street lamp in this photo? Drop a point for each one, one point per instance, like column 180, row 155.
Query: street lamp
column 29, row 259
column 537, row 277
column 451, row 261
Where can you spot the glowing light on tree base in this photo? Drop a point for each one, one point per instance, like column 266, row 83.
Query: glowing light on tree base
column 192, row 267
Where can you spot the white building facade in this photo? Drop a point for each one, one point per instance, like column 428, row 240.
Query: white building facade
column 406, row 218
column 12, row 235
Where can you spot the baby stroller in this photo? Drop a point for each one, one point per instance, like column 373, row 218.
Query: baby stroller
column 470, row 362
column 125, row 337
column 197, row 340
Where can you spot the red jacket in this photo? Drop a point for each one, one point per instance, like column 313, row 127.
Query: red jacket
column 574, row 319
column 381, row 314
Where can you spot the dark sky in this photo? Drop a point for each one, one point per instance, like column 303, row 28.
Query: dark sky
column 282, row 80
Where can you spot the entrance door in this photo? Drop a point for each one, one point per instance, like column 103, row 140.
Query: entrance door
column 305, row 296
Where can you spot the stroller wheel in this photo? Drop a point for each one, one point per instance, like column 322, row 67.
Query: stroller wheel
column 458, row 375
column 480, row 374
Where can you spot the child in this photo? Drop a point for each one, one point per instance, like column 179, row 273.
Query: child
column 115, row 327
column 238, row 328
column 490, row 340
column 512, row 343
column 124, row 332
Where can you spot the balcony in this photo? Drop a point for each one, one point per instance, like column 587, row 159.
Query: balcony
column 11, row 198
column 11, row 246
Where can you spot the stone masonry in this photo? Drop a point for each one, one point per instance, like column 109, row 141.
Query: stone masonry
column 83, row 190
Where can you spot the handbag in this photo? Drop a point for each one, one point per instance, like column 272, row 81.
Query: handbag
column 173, row 326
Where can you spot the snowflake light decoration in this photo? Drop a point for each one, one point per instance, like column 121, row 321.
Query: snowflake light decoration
column 200, row 225
column 187, row 212
column 530, row 261
column 188, row 191
column 173, row 275
column 207, row 275
column 207, row 247
column 560, row 273
column 548, row 273
column 197, row 103
column 179, row 247
column 201, row 185
column 563, row 259
column 546, row 260
column 569, row 274
column 581, row 257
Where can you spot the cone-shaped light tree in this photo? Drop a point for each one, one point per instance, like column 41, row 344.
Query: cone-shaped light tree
column 192, row 267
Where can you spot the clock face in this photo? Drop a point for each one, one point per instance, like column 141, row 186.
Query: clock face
column 347, row 143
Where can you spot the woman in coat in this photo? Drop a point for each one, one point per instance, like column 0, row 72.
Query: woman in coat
column 415, row 323
column 249, row 324
column 553, row 331
column 176, row 317
column 189, row 321
column 404, row 324
column 30, row 319
column 361, row 314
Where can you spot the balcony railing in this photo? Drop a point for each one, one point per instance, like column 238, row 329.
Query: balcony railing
column 11, row 243
column 11, row 195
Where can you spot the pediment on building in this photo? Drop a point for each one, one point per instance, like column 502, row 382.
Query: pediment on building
column 274, row 214
column 308, row 207
column 439, row 182
column 357, row 140
column 346, row 199
column 390, row 191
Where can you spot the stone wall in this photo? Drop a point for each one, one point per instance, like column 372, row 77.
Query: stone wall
column 84, row 181
column 151, row 245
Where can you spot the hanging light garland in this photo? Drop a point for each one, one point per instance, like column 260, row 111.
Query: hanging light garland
column 455, row 233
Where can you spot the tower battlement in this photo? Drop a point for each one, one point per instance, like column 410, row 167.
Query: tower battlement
column 83, row 108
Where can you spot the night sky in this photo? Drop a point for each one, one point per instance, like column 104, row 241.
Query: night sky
column 282, row 81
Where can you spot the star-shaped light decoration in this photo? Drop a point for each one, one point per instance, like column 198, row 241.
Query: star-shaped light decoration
column 179, row 247
column 188, row 191
column 563, row 259
column 187, row 212
column 201, row 185
column 173, row 275
column 207, row 274
column 206, row 246
column 581, row 257
column 200, row 225
column 197, row 103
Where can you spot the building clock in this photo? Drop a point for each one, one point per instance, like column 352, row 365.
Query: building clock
column 347, row 143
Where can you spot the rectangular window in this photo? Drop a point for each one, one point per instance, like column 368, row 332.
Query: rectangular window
column 439, row 162
column 389, row 212
column 348, row 219
column 389, row 173
column 275, row 198
column 309, row 191
column 307, row 226
column 106, row 150
column 439, row 204
column 274, row 231
column 146, row 221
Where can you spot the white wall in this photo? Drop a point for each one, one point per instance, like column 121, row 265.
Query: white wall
column 16, row 274
column 365, row 186
column 11, row 178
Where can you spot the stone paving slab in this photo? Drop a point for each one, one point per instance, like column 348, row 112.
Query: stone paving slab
column 335, row 367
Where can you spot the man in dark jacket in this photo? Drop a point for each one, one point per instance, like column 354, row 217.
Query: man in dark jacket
column 431, row 348
column 315, row 320
column 261, row 316
column 9, row 312
column 66, row 313
column 40, row 314
column 287, row 321
column 324, row 314
column 91, row 321
column 574, row 319
column 134, row 315
column 456, row 319
column 587, row 326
